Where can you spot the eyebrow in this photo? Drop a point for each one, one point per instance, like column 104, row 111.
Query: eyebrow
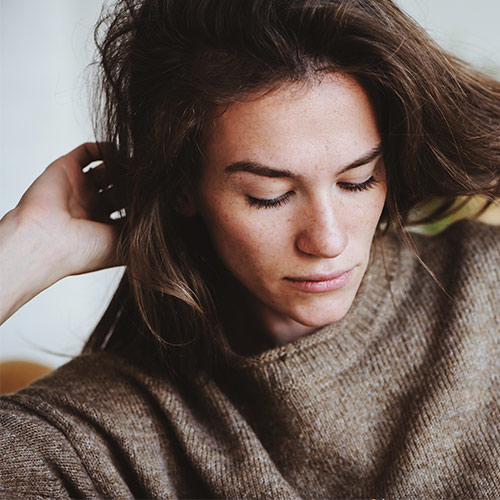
column 266, row 171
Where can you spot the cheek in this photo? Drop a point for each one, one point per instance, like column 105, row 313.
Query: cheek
column 364, row 215
column 244, row 242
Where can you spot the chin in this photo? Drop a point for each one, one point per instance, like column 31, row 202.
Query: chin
column 321, row 316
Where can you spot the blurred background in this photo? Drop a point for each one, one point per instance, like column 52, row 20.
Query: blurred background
column 45, row 47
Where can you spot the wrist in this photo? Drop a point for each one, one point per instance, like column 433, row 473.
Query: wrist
column 29, row 262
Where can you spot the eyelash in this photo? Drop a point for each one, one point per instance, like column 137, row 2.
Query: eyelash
column 281, row 200
column 275, row 202
column 363, row 186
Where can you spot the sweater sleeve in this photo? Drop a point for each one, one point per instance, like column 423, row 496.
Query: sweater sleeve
column 89, row 429
column 38, row 461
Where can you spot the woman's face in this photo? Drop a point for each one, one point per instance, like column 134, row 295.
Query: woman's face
column 291, row 192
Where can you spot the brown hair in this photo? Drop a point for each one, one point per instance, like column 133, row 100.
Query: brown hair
column 165, row 65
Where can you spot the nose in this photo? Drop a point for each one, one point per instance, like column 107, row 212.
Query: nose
column 322, row 233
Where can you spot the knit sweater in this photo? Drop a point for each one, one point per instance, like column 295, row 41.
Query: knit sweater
column 400, row 399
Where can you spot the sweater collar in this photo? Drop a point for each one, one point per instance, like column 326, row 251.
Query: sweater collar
column 339, row 344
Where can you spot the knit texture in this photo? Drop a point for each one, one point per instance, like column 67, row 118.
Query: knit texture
column 400, row 399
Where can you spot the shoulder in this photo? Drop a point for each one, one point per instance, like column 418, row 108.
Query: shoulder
column 73, row 427
column 459, row 269
column 473, row 236
column 99, row 389
column 462, row 244
column 450, row 280
column 100, row 379
column 468, row 234
column 467, row 245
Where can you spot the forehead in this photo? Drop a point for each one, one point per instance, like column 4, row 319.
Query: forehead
column 328, row 119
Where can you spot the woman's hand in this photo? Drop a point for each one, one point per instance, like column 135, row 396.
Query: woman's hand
column 60, row 227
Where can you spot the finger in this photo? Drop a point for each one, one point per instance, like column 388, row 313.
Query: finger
column 103, row 201
column 106, row 149
column 100, row 176
column 109, row 193
column 85, row 153
column 110, row 201
column 98, row 194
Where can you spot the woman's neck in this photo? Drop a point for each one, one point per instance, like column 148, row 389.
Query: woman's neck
column 253, row 327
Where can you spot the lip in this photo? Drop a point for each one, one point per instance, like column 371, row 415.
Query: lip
column 319, row 283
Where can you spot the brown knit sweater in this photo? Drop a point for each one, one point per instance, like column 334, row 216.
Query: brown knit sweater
column 400, row 399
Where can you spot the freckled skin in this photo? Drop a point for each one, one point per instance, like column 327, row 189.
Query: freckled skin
column 313, row 130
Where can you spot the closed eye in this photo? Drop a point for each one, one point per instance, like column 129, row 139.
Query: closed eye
column 284, row 198
column 272, row 203
column 362, row 186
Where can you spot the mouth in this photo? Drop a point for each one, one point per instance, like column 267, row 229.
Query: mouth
column 319, row 283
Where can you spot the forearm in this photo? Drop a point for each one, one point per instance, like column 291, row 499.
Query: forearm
column 28, row 263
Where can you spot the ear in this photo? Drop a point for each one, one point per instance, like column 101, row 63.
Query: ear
column 185, row 203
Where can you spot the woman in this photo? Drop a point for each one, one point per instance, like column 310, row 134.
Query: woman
column 277, row 334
